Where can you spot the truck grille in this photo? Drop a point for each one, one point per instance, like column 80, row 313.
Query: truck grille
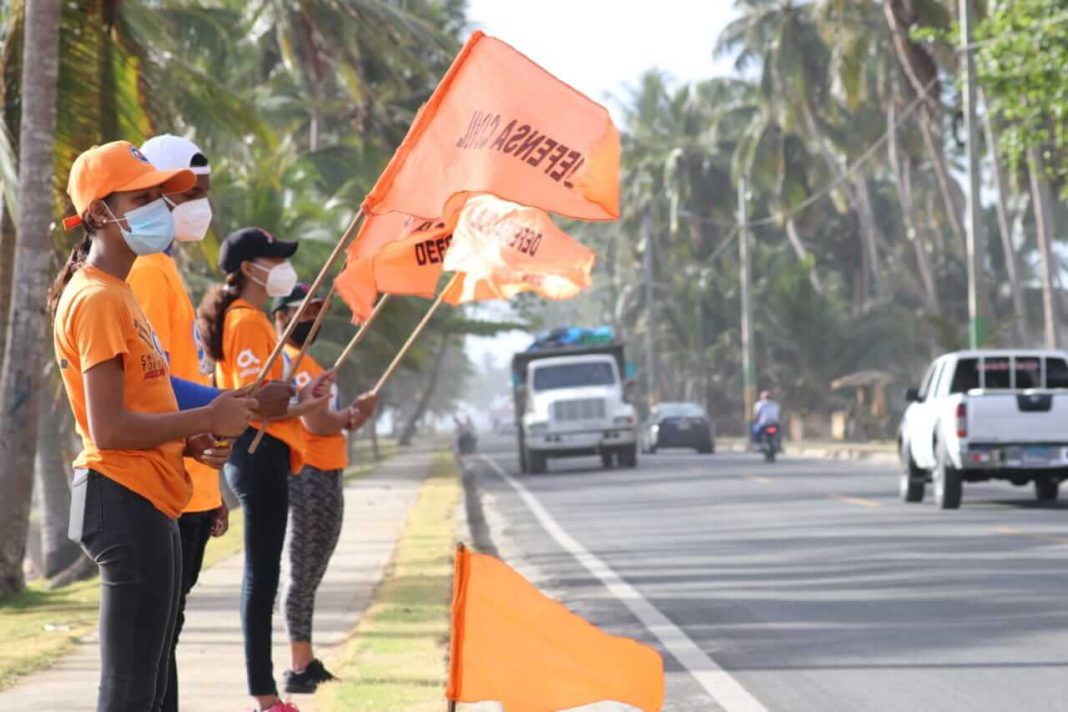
column 578, row 409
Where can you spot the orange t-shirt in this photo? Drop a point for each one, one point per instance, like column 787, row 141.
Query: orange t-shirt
column 248, row 339
column 98, row 319
column 162, row 294
column 323, row 452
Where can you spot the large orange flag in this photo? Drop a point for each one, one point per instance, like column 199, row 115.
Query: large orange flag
column 498, row 123
column 514, row 645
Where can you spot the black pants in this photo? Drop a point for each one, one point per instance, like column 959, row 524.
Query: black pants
column 194, row 529
column 260, row 482
column 139, row 554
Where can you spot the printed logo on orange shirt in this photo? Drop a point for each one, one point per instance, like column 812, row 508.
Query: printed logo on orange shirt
column 153, row 365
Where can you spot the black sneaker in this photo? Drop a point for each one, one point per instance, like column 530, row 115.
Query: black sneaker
column 300, row 683
column 319, row 672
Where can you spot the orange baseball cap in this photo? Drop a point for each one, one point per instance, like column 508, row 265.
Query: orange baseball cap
column 115, row 167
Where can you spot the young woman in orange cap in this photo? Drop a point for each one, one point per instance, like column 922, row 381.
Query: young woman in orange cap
column 240, row 338
column 129, row 485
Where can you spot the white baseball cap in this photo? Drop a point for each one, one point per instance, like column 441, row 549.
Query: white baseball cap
column 168, row 152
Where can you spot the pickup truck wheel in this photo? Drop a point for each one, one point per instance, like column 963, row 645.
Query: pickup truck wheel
column 1046, row 490
column 628, row 456
column 948, row 484
column 913, row 480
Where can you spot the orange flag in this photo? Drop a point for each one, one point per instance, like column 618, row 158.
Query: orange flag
column 393, row 237
column 503, row 249
column 514, row 645
column 498, row 123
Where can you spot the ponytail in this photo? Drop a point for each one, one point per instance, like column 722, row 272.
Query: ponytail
column 212, row 312
column 75, row 262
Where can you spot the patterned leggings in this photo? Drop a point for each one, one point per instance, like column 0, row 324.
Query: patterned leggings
column 316, row 508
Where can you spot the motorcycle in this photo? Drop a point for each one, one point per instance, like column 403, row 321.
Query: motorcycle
column 769, row 441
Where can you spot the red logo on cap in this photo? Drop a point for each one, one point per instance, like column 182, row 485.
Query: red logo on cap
column 270, row 237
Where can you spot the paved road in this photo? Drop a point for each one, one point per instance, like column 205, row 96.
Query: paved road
column 808, row 581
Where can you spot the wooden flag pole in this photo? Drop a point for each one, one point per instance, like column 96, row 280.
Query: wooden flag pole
column 300, row 356
column 350, row 232
column 358, row 336
column 414, row 335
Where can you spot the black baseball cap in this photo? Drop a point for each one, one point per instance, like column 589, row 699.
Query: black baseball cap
column 248, row 243
column 293, row 300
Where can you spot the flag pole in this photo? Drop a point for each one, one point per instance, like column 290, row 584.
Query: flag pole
column 300, row 357
column 358, row 336
column 350, row 231
column 415, row 334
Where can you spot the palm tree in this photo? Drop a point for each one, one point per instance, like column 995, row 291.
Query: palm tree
column 25, row 349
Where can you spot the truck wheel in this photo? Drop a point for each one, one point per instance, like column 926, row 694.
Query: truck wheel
column 948, row 485
column 1046, row 490
column 536, row 462
column 913, row 479
column 628, row 456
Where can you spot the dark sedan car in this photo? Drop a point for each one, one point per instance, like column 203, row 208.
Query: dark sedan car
column 683, row 425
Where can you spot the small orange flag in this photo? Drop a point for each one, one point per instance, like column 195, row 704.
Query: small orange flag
column 498, row 123
column 516, row 646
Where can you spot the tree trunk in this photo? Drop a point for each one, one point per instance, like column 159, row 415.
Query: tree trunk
column 921, row 71
column 1042, row 200
column 53, row 487
column 902, row 169
column 1019, row 306
column 25, row 348
column 7, row 270
column 803, row 254
column 428, row 392
column 870, row 236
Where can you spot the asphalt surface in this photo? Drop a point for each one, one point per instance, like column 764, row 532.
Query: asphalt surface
column 807, row 581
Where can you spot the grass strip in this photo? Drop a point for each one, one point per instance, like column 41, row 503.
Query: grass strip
column 396, row 657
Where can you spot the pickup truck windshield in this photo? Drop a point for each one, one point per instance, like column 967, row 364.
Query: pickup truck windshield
column 573, row 375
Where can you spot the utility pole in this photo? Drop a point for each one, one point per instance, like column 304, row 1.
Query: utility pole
column 650, row 310
column 748, row 369
column 975, row 244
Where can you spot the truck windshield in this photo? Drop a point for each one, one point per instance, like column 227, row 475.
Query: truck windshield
column 573, row 375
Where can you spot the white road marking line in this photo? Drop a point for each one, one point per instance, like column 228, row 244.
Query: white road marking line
column 723, row 688
column 758, row 478
column 859, row 501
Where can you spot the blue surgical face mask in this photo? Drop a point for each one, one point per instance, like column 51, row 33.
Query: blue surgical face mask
column 151, row 227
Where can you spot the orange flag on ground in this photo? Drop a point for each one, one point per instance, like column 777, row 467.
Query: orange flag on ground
column 503, row 249
column 498, row 123
column 514, row 645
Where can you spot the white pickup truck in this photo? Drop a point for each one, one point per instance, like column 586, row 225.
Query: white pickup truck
column 571, row 402
column 982, row 415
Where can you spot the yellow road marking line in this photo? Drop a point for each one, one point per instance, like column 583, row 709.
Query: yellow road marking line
column 757, row 478
column 859, row 501
column 1048, row 538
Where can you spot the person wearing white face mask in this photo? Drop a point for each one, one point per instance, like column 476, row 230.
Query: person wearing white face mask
column 162, row 294
column 240, row 338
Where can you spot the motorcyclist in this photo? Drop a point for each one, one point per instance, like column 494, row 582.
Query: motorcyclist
column 766, row 412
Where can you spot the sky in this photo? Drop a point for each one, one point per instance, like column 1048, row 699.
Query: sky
column 601, row 47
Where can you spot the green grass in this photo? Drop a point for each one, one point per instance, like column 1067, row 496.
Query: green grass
column 396, row 658
column 38, row 626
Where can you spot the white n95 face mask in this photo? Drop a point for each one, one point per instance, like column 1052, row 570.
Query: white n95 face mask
column 191, row 220
column 280, row 279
